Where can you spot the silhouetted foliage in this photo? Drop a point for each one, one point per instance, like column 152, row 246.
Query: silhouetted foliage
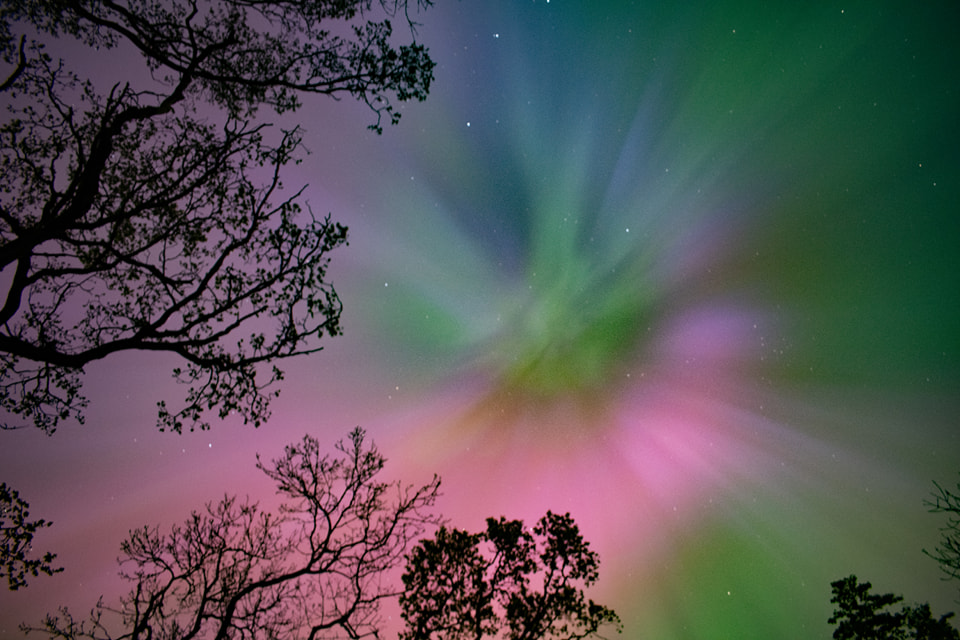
column 507, row 581
column 947, row 553
column 861, row 615
column 315, row 569
column 150, row 215
column 16, row 540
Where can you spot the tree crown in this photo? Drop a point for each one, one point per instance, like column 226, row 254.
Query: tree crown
column 316, row 568
column 862, row 615
column 507, row 581
column 154, row 217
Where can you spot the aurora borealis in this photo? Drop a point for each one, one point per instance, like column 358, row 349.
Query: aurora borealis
column 690, row 271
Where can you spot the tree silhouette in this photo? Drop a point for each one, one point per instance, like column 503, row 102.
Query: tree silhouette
column 507, row 582
column 153, row 217
column 861, row 615
column 314, row 569
column 16, row 539
column 947, row 553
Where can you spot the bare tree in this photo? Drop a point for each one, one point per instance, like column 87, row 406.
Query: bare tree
column 153, row 217
column 947, row 553
column 506, row 582
column 315, row 569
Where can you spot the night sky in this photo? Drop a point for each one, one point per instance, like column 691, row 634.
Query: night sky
column 687, row 270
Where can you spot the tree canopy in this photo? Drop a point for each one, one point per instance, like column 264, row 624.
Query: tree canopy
column 16, row 541
column 507, row 581
column 316, row 568
column 150, row 214
column 321, row 564
column 862, row 615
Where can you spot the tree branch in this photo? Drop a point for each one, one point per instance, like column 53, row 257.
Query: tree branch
column 21, row 65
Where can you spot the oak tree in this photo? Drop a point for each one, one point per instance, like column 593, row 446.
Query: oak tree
column 316, row 568
column 506, row 582
column 149, row 213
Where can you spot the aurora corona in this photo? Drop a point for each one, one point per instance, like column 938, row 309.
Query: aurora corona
column 688, row 271
column 596, row 293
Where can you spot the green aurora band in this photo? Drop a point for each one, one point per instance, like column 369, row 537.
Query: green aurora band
column 688, row 270
column 692, row 273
